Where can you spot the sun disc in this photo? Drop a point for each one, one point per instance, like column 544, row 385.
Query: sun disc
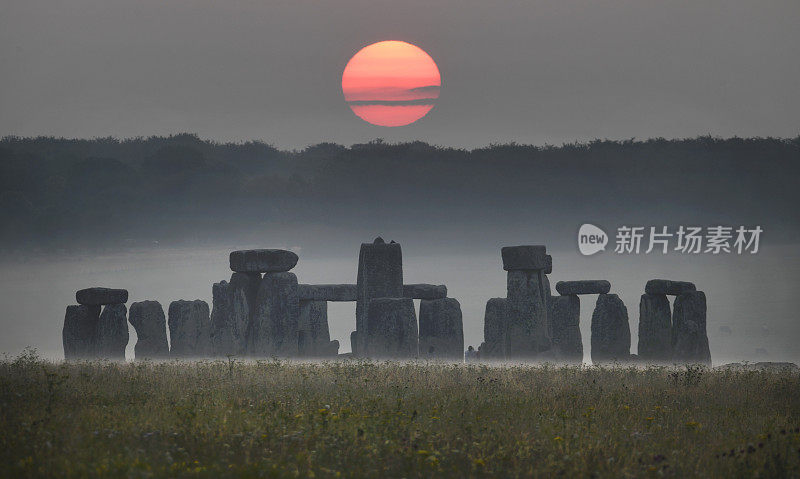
column 391, row 83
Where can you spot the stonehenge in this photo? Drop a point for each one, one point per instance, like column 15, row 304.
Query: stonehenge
column 189, row 329
column 673, row 337
column 380, row 275
column 611, row 333
column 565, row 316
column 424, row 291
column 80, row 324
column 655, row 328
column 494, row 329
column 592, row 286
column 327, row 292
column 112, row 332
column 667, row 287
column 147, row 318
column 274, row 330
column 689, row 337
column 314, row 339
column 101, row 296
column 391, row 329
column 263, row 261
column 90, row 333
column 263, row 311
column 517, row 327
column 441, row 330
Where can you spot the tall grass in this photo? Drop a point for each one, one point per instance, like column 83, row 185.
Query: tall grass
column 275, row 419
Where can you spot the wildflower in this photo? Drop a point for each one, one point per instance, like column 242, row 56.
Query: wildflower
column 558, row 439
column 693, row 424
column 479, row 462
column 649, row 418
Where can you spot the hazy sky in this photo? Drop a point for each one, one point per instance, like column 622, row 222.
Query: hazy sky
column 523, row 71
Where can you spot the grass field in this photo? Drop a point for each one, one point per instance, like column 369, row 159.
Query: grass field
column 276, row 419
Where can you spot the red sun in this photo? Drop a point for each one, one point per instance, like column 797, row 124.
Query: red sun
column 391, row 83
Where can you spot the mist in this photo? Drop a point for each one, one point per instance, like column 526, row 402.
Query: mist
column 753, row 295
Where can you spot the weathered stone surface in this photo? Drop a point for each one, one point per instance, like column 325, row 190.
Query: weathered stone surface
column 246, row 284
column 262, row 260
column 424, row 291
column 147, row 318
column 391, row 329
column 331, row 350
column 586, row 286
column 101, row 296
column 494, row 329
column 668, row 287
column 80, row 327
column 689, row 337
column 565, row 317
column 611, row 333
column 327, row 292
column 112, row 332
column 354, row 343
column 527, row 326
column 548, row 293
column 548, row 264
column 189, row 329
column 441, row 329
column 233, row 307
column 314, row 336
column 528, row 257
column 380, row 275
column 274, row 330
column 655, row 328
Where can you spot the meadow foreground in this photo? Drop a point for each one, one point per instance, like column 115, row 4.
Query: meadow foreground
column 275, row 419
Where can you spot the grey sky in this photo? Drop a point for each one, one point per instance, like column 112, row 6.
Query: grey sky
column 523, row 71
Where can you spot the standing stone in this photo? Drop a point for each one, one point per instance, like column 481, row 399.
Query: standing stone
column 441, row 329
column 147, row 318
column 380, row 275
column 189, row 329
column 611, row 334
column 527, row 334
column 233, row 305
column 391, row 329
column 80, row 326
column 262, row 261
column 354, row 343
column 565, row 316
column 689, row 337
column 548, row 296
column 274, row 330
column 494, row 329
column 112, row 332
column 314, row 336
column 221, row 334
column 655, row 328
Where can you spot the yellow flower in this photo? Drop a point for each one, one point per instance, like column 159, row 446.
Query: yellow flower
column 650, row 418
column 558, row 439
